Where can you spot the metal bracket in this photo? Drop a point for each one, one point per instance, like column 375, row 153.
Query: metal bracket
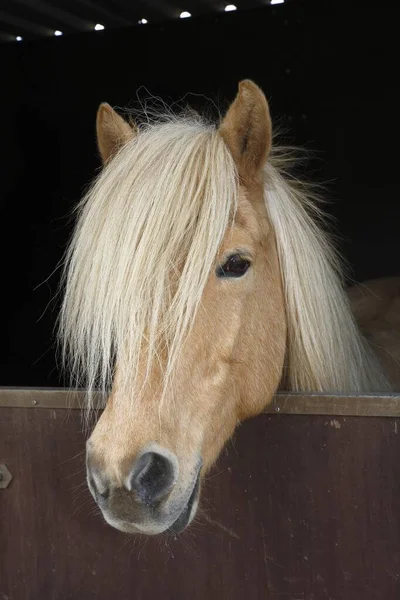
column 5, row 477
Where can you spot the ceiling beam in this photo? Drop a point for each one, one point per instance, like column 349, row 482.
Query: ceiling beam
column 112, row 18
column 24, row 25
column 56, row 13
column 158, row 7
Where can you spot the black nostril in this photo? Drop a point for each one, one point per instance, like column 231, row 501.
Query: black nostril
column 152, row 477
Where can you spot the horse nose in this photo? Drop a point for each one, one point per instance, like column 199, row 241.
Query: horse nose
column 153, row 476
column 150, row 479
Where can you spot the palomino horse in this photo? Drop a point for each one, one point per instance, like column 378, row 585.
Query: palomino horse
column 198, row 281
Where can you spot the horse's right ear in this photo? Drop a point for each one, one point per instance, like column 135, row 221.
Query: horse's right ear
column 112, row 131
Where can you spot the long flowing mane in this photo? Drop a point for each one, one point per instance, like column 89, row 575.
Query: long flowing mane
column 325, row 349
column 146, row 239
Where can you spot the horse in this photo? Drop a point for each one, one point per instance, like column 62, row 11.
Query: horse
column 198, row 281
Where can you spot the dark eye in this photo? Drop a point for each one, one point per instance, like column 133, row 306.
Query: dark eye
column 235, row 266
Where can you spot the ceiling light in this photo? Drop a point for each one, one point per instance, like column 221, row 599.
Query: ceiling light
column 99, row 27
column 58, row 32
column 277, row 1
column 185, row 14
column 230, row 7
column 143, row 21
column 19, row 38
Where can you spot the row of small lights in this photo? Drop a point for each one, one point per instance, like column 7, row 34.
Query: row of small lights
column 184, row 15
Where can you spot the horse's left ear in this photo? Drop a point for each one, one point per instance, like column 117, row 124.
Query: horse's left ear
column 247, row 131
column 113, row 131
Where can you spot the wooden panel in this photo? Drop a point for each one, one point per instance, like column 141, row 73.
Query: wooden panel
column 375, row 405
column 298, row 508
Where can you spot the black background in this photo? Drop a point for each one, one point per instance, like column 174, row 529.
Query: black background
column 329, row 70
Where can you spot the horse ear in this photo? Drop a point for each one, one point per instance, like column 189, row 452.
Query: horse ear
column 112, row 131
column 247, row 131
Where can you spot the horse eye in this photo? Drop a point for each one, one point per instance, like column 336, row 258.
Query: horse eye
column 235, row 266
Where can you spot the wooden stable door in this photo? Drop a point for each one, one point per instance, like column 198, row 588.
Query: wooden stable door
column 299, row 507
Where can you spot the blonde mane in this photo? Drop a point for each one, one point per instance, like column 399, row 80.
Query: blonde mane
column 146, row 239
column 325, row 349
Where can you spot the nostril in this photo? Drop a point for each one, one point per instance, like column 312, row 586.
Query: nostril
column 104, row 494
column 152, row 477
column 97, row 490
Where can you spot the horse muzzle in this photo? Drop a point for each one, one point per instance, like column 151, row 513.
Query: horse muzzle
column 153, row 498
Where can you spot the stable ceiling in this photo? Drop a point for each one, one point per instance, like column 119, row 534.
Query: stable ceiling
column 33, row 19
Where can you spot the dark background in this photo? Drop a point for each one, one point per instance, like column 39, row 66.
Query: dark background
column 330, row 71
